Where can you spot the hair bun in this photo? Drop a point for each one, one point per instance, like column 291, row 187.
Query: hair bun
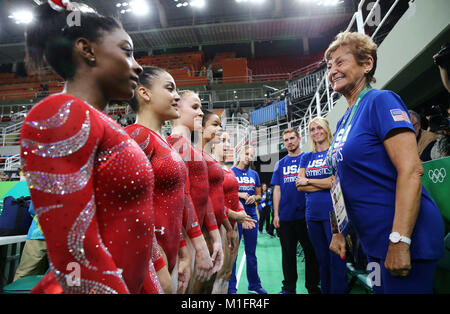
column 59, row 5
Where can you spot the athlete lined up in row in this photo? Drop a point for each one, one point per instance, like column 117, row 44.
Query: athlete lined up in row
column 82, row 168
column 235, row 212
column 155, row 102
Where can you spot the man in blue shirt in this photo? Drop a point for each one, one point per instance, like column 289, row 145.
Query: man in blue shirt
column 289, row 218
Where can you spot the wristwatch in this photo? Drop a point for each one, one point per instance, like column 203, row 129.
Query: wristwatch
column 395, row 237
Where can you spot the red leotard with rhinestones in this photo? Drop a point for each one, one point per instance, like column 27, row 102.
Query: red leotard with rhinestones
column 198, row 179
column 92, row 188
column 169, row 199
column 230, row 191
column 216, row 177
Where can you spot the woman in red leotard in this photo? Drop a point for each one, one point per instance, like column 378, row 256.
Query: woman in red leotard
column 155, row 102
column 90, row 183
column 211, row 129
column 183, row 130
column 235, row 212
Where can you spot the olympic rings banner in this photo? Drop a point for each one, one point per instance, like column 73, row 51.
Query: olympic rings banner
column 436, row 180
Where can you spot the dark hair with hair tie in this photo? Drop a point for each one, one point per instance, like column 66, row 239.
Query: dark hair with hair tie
column 50, row 39
column 206, row 115
column 146, row 78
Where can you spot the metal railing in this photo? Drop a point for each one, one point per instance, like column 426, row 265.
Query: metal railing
column 12, row 163
column 306, row 85
column 10, row 134
column 240, row 131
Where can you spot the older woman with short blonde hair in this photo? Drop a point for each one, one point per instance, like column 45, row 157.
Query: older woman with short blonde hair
column 374, row 157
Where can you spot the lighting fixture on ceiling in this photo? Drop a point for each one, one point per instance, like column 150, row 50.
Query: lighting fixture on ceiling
column 22, row 17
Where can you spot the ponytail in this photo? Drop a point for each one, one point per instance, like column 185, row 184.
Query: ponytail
column 146, row 78
column 49, row 40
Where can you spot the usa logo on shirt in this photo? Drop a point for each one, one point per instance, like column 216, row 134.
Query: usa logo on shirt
column 246, row 180
column 399, row 115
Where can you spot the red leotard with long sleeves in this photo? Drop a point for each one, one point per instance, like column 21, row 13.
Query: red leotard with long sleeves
column 230, row 191
column 169, row 199
column 198, row 179
column 216, row 177
column 92, row 189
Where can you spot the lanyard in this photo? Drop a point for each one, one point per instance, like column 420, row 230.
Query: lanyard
column 347, row 124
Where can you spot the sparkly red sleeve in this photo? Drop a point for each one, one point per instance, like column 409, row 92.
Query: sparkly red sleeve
column 59, row 141
column 210, row 219
column 151, row 282
column 190, row 221
column 157, row 258
column 237, row 205
column 182, row 241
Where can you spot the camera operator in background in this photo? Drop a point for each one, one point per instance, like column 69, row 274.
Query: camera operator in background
column 425, row 139
column 441, row 59
column 440, row 124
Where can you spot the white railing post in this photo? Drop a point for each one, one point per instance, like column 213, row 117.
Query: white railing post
column 318, row 109
column 360, row 22
column 304, row 129
column 327, row 86
column 384, row 19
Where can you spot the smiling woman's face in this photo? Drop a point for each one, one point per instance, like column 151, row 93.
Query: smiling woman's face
column 344, row 72
column 213, row 127
column 164, row 97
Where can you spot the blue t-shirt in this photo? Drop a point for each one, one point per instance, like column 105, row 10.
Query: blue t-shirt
column 368, row 178
column 248, row 181
column 35, row 231
column 292, row 202
column 318, row 204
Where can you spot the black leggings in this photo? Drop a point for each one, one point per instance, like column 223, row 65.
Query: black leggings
column 264, row 217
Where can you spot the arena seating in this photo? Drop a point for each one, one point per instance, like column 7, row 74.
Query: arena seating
column 188, row 69
column 264, row 68
column 14, row 87
column 184, row 67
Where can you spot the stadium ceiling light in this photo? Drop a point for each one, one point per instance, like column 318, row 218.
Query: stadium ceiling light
column 328, row 2
column 22, row 17
column 322, row 2
column 197, row 3
column 251, row 1
column 140, row 7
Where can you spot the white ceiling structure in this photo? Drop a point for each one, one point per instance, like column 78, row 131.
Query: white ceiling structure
column 246, row 31
column 221, row 22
